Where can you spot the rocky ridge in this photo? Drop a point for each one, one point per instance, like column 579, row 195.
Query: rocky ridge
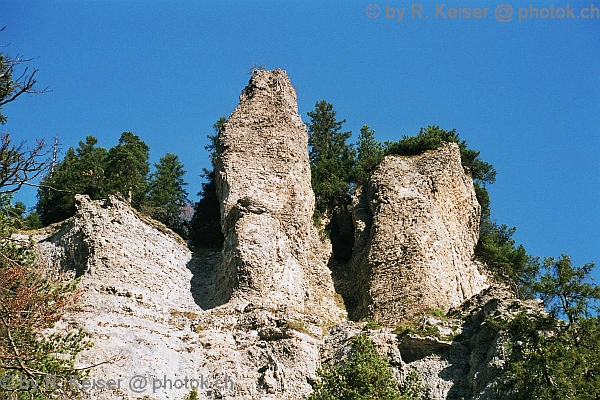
column 263, row 314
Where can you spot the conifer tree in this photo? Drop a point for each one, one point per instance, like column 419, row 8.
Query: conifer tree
column 555, row 354
column 369, row 154
column 205, row 227
column 331, row 158
column 127, row 169
column 82, row 171
column 167, row 195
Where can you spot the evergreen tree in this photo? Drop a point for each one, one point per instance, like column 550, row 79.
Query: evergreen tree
column 82, row 171
column 205, row 227
column 127, row 169
column 331, row 158
column 90, row 164
column 167, row 195
column 549, row 357
column 369, row 154
column 506, row 261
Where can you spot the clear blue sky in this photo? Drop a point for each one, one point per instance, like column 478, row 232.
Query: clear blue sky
column 524, row 93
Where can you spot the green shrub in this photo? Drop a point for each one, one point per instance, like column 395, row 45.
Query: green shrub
column 436, row 312
column 370, row 324
column 364, row 375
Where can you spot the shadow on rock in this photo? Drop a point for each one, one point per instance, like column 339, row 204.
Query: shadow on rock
column 208, row 285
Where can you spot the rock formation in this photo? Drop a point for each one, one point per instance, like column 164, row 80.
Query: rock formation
column 262, row 314
column 417, row 224
column 271, row 252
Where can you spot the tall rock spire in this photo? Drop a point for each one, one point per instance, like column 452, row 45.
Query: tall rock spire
column 267, row 202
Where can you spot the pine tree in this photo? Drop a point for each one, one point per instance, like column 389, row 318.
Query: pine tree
column 82, row 171
column 205, row 227
column 167, row 195
column 90, row 165
column 127, row 169
column 369, row 154
column 364, row 375
column 331, row 158
column 556, row 355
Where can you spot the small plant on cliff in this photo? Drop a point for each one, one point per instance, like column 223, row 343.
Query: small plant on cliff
column 370, row 324
column 364, row 375
column 192, row 395
column 30, row 304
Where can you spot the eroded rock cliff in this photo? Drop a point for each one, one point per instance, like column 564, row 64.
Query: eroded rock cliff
column 263, row 313
column 417, row 224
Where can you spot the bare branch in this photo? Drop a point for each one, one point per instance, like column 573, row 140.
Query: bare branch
column 20, row 166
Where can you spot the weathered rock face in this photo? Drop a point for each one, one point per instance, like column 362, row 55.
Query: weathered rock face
column 416, row 230
column 261, row 315
column 136, row 284
column 271, row 251
column 461, row 361
column 155, row 312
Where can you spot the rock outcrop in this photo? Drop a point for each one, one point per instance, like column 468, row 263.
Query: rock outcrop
column 272, row 253
column 459, row 358
column 417, row 224
column 256, row 320
column 157, row 314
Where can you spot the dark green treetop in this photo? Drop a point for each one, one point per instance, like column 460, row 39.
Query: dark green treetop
column 127, row 168
column 369, row 154
column 167, row 195
column 331, row 158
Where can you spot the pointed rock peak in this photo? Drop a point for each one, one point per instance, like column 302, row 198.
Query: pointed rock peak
column 267, row 202
column 274, row 85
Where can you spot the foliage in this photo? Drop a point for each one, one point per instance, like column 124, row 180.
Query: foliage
column 81, row 171
column 29, row 304
column 368, row 155
column 550, row 358
column 167, row 196
column 414, row 328
column 96, row 172
column 564, row 289
column 370, row 324
column 10, row 87
column 331, row 158
column 364, row 375
column 192, row 395
column 436, row 312
column 205, row 227
column 15, row 214
column 506, row 261
column 127, row 168
column 431, row 138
